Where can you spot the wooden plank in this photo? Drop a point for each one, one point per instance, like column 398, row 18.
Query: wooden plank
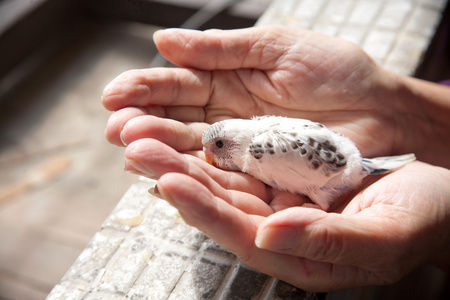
column 57, row 113
column 14, row 287
column 34, row 261
column 38, row 176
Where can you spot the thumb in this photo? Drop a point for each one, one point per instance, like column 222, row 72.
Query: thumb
column 321, row 236
column 255, row 47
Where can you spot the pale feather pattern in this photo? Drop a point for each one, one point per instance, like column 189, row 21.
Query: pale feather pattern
column 295, row 155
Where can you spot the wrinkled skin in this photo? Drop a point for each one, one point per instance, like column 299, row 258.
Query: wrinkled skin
column 384, row 230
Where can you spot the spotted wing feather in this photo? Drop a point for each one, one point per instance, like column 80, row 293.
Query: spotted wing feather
column 317, row 153
column 289, row 158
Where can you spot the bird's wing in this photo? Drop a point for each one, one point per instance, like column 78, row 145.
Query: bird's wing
column 292, row 160
column 311, row 146
column 303, row 157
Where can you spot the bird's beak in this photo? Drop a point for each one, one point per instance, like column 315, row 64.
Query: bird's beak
column 209, row 156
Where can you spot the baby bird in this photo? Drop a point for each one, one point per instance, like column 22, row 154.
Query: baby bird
column 295, row 155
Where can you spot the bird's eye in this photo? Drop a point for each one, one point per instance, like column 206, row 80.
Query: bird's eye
column 219, row 144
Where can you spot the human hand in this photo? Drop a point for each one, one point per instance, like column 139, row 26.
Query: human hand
column 388, row 229
column 161, row 114
column 256, row 71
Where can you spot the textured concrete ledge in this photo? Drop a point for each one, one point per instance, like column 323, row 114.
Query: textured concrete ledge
column 146, row 251
column 396, row 33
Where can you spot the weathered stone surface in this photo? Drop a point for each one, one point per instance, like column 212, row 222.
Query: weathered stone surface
column 380, row 27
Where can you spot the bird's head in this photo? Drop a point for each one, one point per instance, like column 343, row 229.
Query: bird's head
column 225, row 142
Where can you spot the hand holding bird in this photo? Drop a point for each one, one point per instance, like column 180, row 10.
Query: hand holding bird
column 380, row 231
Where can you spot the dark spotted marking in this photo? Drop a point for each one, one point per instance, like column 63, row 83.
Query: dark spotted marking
column 323, row 154
column 257, row 153
column 326, row 146
column 316, row 164
column 340, row 164
column 257, row 150
column 269, row 144
column 296, row 144
column 340, row 161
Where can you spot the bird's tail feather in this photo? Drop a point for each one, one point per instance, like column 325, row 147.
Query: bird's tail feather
column 382, row 165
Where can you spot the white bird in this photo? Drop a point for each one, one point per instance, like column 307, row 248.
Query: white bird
column 295, row 155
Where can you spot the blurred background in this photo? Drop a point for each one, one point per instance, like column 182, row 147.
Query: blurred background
column 59, row 177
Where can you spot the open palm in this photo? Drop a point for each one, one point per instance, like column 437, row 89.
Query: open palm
column 258, row 71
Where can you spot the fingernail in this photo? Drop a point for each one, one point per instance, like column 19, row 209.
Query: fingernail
column 102, row 100
column 154, row 191
column 134, row 167
column 130, row 169
column 121, row 139
column 134, row 172
column 163, row 194
column 128, row 166
column 277, row 238
column 157, row 32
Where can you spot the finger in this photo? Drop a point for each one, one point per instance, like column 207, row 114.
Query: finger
column 283, row 199
column 199, row 207
column 257, row 47
column 324, row 237
column 154, row 159
column 235, row 231
column 175, row 134
column 158, row 86
column 117, row 121
column 180, row 113
column 328, row 239
column 349, row 238
column 236, row 180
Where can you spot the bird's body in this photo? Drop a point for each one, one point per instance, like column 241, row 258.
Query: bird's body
column 296, row 155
